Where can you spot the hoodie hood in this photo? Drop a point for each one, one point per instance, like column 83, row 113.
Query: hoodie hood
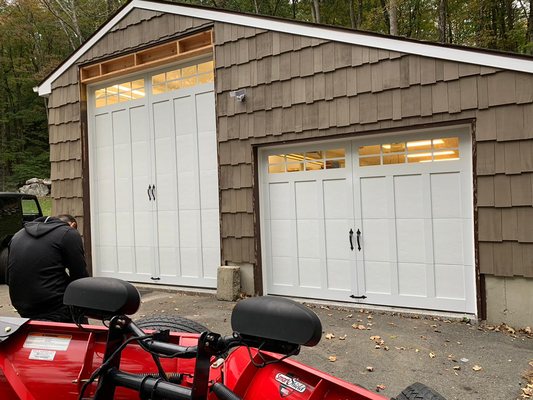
column 43, row 225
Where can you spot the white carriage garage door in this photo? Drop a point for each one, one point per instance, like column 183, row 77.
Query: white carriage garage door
column 381, row 220
column 154, row 179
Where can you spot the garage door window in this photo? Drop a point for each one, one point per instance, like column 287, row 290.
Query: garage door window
column 182, row 78
column 120, row 93
column 428, row 150
column 307, row 161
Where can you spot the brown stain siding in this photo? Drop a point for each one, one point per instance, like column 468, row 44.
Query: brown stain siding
column 301, row 88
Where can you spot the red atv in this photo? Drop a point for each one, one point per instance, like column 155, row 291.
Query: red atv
column 51, row 361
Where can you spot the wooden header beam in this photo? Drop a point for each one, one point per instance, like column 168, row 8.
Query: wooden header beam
column 181, row 49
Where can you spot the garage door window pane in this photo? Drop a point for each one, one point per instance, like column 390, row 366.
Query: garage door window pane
column 336, row 153
column 446, row 155
column 393, row 148
column 276, row 168
column 367, row 161
column 394, row 159
column 419, row 145
column 446, row 143
column 419, row 157
column 332, row 164
column 295, row 167
column 369, row 150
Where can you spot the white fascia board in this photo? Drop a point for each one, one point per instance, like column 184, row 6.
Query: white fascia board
column 368, row 40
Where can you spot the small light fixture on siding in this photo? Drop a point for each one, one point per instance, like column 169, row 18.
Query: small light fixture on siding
column 240, row 95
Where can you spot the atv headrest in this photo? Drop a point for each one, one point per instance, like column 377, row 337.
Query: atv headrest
column 102, row 297
column 277, row 319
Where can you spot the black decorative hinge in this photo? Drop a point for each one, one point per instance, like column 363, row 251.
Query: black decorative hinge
column 155, row 279
column 357, row 297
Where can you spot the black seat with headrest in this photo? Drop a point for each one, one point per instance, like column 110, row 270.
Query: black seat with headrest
column 102, row 297
column 277, row 319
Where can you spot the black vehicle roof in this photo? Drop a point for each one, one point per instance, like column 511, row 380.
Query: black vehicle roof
column 15, row 194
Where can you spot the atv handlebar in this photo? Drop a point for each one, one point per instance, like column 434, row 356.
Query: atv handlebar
column 209, row 344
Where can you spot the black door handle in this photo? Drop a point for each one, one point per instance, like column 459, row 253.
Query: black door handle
column 153, row 192
column 351, row 239
column 358, row 238
column 148, row 191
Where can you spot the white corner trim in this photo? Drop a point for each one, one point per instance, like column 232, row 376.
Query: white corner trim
column 357, row 38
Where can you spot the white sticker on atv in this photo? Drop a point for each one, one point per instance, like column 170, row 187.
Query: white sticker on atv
column 290, row 382
column 47, row 341
column 45, row 355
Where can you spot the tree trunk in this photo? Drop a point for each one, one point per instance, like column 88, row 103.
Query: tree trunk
column 386, row 17
column 443, row 20
column 352, row 14
column 316, row 11
column 529, row 34
column 393, row 17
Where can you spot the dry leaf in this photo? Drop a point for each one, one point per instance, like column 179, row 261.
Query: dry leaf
column 375, row 338
column 342, row 337
column 332, row 358
column 386, row 348
column 432, row 355
column 531, row 363
column 380, row 387
column 370, row 369
column 457, row 367
column 329, row 336
column 360, row 327
column 477, row 368
column 349, row 316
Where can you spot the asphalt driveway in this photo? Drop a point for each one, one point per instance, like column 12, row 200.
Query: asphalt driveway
column 383, row 351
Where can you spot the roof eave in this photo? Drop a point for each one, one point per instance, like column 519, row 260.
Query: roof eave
column 471, row 56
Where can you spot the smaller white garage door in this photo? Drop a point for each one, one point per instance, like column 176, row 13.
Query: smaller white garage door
column 381, row 220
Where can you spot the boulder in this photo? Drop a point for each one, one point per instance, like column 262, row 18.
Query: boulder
column 37, row 189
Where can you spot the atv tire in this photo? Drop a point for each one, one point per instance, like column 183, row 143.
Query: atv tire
column 172, row 322
column 418, row 391
column 3, row 265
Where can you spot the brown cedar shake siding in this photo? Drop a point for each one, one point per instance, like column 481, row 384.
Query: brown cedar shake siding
column 301, row 88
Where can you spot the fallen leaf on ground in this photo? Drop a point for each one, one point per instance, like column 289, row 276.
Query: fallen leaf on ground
column 332, row 358
column 360, row 327
column 375, row 338
column 342, row 337
column 380, row 387
column 330, row 336
column 457, row 367
column 477, row 368
column 527, row 392
column 349, row 316
column 370, row 369
column 432, row 355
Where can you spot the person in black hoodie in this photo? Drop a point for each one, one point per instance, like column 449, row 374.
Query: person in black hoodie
column 44, row 257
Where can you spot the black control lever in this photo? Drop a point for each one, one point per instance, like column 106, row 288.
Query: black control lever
column 351, row 239
column 358, row 240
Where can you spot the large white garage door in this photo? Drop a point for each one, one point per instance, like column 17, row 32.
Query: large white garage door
column 154, row 180
column 383, row 220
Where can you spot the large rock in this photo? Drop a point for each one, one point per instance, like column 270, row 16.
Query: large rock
column 37, row 189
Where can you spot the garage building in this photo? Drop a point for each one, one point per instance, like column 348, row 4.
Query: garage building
column 327, row 163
